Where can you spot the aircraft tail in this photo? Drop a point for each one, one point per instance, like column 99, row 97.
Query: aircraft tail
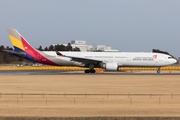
column 22, row 46
column 15, row 37
column 25, row 50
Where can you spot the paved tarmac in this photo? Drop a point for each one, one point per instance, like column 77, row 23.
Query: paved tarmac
column 65, row 72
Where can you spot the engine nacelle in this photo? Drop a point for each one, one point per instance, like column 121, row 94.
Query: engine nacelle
column 111, row 66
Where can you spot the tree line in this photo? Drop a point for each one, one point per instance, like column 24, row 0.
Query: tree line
column 6, row 58
column 59, row 48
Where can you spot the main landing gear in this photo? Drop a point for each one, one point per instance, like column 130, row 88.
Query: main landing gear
column 89, row 71
column 158, row 71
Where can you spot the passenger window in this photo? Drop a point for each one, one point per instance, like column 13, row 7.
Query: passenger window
column 169, row 57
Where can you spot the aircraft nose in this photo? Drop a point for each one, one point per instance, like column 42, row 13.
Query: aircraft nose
column 174, row 61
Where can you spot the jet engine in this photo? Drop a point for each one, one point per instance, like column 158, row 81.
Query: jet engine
column 111, row 66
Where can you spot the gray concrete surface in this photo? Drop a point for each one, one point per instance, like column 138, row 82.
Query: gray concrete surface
column 65, row 72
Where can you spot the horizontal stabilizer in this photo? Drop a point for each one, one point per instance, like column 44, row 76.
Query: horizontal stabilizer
column 20, row 54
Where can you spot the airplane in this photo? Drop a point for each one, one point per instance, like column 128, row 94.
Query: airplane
column 110, row 61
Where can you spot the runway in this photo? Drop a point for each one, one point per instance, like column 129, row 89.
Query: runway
column 72, row 72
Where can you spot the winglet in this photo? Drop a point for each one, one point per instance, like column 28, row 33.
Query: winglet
column 58, row 53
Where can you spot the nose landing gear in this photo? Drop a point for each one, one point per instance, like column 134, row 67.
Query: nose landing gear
column 158, row 71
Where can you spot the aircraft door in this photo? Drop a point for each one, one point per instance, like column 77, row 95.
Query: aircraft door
column 128, row 57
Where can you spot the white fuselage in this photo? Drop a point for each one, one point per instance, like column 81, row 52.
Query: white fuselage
column 126, row 59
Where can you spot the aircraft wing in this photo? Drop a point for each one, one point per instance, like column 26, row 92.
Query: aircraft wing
column 80, row 59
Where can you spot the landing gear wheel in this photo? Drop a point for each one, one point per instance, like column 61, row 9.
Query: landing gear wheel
column 93, row 71
column 86, row 71
column 89, row 71
column 158, row 71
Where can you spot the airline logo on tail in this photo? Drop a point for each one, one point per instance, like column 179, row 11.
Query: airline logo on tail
column 16, row 40
column 58, row 53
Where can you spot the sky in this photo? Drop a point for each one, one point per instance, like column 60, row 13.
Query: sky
column 125, row 25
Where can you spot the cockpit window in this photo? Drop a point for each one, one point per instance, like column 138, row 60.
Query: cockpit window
column 169, row 57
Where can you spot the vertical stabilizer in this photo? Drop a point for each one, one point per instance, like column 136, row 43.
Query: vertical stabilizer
column 24, row 49
column 16, row 40
column 21, row 45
